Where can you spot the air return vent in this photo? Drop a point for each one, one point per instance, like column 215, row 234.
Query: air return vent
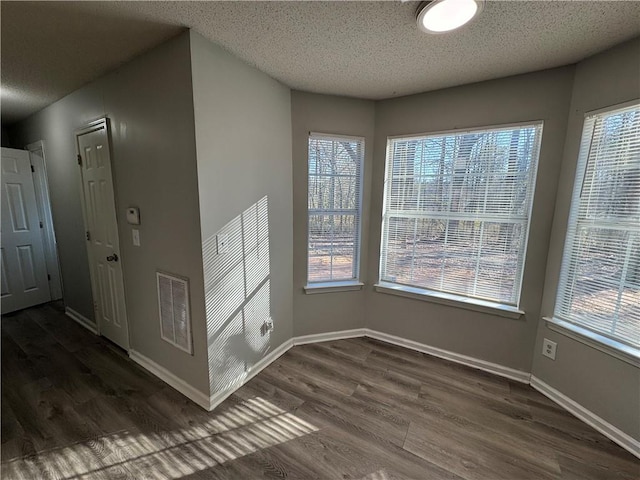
column 175, row 318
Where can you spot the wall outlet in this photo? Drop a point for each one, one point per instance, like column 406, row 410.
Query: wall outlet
column 266, row 327
column 549, row 348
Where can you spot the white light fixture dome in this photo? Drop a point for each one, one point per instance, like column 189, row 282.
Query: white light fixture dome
column 441, row 16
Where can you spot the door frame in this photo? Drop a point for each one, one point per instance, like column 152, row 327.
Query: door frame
column 38, row 161
column 88, row 128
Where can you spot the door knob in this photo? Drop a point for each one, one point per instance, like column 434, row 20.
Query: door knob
column 112, row 258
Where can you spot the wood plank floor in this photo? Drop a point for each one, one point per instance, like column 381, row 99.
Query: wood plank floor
column 74, row 407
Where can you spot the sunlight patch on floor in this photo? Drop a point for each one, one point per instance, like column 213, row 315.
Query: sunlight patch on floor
column 243, row 429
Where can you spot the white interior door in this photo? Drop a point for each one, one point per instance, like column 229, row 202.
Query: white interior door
column 24, row 270
column 102, row 233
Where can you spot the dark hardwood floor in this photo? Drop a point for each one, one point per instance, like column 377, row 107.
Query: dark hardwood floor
column 74, row 406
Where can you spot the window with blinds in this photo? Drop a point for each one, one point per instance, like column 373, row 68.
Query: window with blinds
column 335, row 185
column 599, row 285
column 456, row 211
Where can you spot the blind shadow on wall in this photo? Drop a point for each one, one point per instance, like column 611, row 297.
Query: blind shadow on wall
column 237, row 296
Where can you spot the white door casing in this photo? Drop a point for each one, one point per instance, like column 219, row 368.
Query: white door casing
column 103, row 246
column 24, row 271
column 40, row 183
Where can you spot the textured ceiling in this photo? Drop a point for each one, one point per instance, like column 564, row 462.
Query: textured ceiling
column 361, row 49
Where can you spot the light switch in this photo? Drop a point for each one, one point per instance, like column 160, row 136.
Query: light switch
column 135, row 233
column 222, row 243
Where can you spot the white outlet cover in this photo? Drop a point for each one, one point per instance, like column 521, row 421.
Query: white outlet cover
column 549, row 348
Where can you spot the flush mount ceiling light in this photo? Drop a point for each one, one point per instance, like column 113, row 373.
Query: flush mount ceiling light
column 441, row 16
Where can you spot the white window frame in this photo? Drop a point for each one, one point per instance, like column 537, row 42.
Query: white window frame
column 452, row 299
column 573, row 329
column 342, row 285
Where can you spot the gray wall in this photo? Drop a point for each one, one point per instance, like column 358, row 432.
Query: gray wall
column 243, row 141
column 6, row 141
column 605, row 385
column 150, row 105
column 338, row 115
column 204, row 143
column 55, row 125
column 537, row 96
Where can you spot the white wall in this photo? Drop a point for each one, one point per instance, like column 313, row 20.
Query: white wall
column 605, row 385
column 243, row 140
column 310, row 112
column 149, row 103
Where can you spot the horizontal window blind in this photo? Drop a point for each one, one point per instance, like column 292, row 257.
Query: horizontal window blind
column 335, row 184
column 456, row 211
column 599, row 285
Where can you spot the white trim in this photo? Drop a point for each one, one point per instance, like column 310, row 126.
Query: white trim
column 330, row 336
column 337, row 136
column 501, row 370
column 35, row 146
column 209, row 403
column 169, row 378
column 37, row 157
column 329, row 287
column 449, row 299
column 82, row 320
column 611, row 108
column 218, row 397
column 604, row 344
column 613, row 433
column 357, row 212
column 460, row 131
column 496, row 369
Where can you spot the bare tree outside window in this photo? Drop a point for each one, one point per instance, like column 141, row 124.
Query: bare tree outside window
column 457, row 210
column 600, row 278
column 335, row 171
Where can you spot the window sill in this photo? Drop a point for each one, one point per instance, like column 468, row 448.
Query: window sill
column 607, row 345
column 450, row 300
column 330, row 287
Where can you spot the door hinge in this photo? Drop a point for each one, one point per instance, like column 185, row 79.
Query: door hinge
column 79, row 159
column 88, row 235
column 33, row 170
column 41, row 226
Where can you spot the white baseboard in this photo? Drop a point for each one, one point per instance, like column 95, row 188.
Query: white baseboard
column 613, row 433
column 218, row 397
column 329, row 336
column 166, row 376
column 496, row 369
column 81, row 319
column 210, row 402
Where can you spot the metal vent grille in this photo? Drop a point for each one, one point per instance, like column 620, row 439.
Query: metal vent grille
column 175, row 318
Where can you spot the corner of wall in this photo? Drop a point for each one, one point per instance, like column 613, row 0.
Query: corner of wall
column 243, row 148
column 589, row 377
